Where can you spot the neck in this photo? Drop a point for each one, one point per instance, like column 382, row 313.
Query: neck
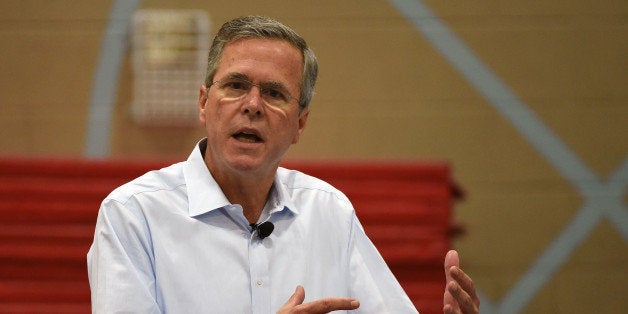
column 248, row 190
column 252, row 198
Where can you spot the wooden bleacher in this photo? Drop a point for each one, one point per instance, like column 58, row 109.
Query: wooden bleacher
column 48, row 209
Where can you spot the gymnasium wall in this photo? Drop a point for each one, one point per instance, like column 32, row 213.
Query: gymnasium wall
column 527, row 101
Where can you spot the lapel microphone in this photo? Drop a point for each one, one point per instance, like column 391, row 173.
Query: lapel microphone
column 264, row 229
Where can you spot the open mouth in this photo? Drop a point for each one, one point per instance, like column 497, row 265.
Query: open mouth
column 247, row 137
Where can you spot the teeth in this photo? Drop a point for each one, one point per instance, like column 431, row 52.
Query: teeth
column 247, row 137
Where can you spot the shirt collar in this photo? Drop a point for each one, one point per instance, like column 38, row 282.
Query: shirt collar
column 283, row 199
column 205, row 195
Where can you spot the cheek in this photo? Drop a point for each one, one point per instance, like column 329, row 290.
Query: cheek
column 212, row 114
column 290, row 130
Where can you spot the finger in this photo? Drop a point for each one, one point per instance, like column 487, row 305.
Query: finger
column 451, row 259
column 448, row 309
column 465, row 302
column 450, row 305
column 466, row 284
column 296, row 298
column 463, row 280
column 328, row 305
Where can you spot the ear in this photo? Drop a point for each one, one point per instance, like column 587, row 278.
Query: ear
column 302, row 122
column 202, row 102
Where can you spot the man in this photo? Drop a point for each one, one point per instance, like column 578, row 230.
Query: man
column 228, row 231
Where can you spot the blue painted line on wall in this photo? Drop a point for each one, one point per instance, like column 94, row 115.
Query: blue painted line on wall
column 104, row 88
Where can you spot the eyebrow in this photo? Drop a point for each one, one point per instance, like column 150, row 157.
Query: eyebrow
column 236, row 75
column 276, row 85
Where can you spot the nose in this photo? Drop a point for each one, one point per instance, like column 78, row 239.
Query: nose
column 253, row 102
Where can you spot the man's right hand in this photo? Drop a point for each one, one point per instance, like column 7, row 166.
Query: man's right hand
column 295, row 304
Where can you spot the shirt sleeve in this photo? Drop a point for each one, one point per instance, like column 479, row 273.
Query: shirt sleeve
column 372, row 282
column 120, row 262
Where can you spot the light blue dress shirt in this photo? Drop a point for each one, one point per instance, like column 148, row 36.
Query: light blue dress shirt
column 170, row 242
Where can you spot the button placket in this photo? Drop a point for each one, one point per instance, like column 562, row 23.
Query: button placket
column 259, row 275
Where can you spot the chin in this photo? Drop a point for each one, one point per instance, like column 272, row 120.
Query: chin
column 247, row 164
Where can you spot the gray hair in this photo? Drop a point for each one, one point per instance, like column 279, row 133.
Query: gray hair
column 264, row 27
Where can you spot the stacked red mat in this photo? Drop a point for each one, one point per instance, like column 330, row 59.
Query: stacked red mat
column 48, row 209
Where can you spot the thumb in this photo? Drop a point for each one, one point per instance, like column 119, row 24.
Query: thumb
column 297, row 297
column 451, row 259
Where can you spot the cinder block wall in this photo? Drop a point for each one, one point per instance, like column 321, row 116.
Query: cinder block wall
column 386, row 91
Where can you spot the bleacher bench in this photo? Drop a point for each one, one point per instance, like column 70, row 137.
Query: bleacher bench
column 48, row 209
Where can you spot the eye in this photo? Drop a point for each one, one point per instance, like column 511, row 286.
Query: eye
column 275, row 93
column 237, row 85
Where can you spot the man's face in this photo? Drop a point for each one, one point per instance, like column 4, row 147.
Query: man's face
column 249, row 133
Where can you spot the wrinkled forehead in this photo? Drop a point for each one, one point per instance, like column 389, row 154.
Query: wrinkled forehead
column 262, row 60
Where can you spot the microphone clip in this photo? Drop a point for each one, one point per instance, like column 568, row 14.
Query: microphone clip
column 264, row 229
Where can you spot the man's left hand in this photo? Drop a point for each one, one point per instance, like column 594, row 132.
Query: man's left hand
column 460, row 295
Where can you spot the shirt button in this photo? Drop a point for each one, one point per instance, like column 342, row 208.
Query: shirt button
column 259, row 282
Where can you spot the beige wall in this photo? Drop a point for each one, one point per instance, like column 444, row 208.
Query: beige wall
column 385, row 92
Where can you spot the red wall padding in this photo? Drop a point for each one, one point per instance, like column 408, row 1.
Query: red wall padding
column 48, row 209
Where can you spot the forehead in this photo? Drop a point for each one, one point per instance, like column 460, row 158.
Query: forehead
column 262, row 60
